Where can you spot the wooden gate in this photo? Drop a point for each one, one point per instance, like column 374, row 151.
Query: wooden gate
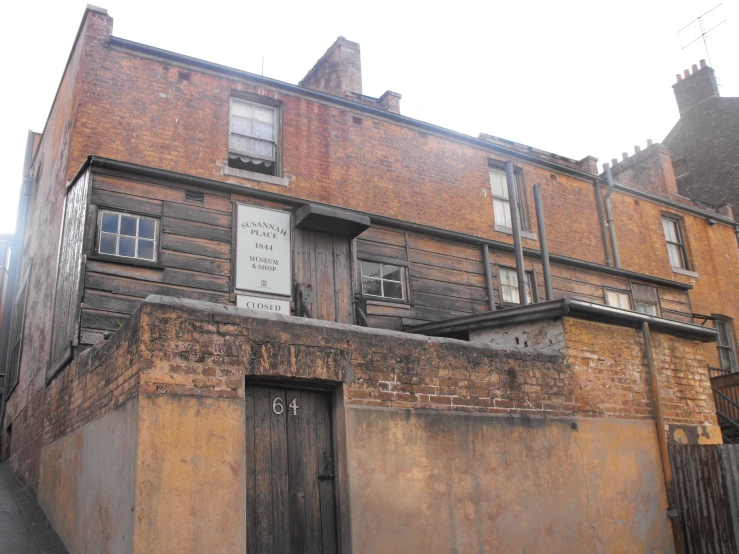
column 707, row 486
column 289, row 472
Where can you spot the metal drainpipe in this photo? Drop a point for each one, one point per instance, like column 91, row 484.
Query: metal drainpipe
column 523, row 291
column 672, row 509
column 611, row 228
column 543, row 242
column 736, row 230
column 488, row 277
column 602, row 221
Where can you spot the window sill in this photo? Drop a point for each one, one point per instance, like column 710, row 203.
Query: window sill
column 125, row 261
column 681, row 271
column 377, row 301
column 254, row 176
column 508, row 231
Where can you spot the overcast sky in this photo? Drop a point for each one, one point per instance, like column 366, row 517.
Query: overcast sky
column 571, row 77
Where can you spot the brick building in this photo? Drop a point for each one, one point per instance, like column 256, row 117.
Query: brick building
column 705, row 140
column 154, row 404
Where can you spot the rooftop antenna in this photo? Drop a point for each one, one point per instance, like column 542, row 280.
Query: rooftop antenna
column 703, row 31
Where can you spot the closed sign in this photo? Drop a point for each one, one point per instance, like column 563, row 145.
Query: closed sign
column 263, row 251
column 265, row 304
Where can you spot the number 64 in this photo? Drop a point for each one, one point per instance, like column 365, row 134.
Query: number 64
column 278, row 407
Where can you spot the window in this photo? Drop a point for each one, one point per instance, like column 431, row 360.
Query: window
column 725, row 344
column 509, row 286
column 16, row 334
column 252, row 141
column 382, row 280
column 675, row 243
column 646, row 299
column 127, row 236
column 618, row 299
column 681, row 167
column 501, row 202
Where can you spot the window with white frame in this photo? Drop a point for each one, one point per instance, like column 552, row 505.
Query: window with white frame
column 509, row 293
column 501, row 202
column 127, row 236
column 725, row 344
column 382, row 280
column 675, row 242
column 252, row 141
column 618, row 299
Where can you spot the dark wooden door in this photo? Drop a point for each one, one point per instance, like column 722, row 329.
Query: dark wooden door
column 323, row 265
column 289, row 472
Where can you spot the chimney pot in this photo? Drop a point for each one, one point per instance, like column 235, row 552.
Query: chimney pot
column 649, row 142
column 703, row 63
column 695, row 68
column 637, row 149
column 678, row 77
column 614, row 161
column 686, row 73
column 625, row 155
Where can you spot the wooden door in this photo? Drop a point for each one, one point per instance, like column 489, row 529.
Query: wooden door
column 289, row 472
column 323, row 264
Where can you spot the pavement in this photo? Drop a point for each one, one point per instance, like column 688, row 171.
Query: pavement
column 24, row 528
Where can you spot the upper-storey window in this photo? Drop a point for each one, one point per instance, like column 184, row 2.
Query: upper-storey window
column 501, row 202
column 675, row 242
column 382, row 280
column 646, row 299
column 127, row 236
column 509, row 293
column 725, row 344
column 252, row 141
column 618, row 299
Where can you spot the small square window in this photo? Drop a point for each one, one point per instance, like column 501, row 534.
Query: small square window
column 646, row 308
column 509, row 286
column 618, row 299
column 127, row 236
column 383, row 280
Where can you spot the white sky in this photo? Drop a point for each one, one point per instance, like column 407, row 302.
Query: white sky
column 571, row 77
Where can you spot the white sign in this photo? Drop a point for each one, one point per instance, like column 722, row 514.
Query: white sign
column 266, row 304
column 263, row 251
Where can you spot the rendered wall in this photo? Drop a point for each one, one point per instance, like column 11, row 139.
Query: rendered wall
column 87, row 483
column 455, row 482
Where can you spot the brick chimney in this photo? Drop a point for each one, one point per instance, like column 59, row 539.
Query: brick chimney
column 695, row 87
column 338, row 72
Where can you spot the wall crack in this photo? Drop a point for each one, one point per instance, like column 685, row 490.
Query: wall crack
column 587, row 495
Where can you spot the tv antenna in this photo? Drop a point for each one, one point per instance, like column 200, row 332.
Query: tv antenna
column 703, row 31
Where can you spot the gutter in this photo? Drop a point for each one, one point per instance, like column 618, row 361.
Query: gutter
column 565, row 307
column 609, row 215
column 212, row 184
column 401, row 119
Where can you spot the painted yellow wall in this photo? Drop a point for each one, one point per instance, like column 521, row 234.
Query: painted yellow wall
column 190, row 476
column 454, row 482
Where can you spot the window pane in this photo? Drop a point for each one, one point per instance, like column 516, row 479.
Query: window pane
column 242, row 109
column 502, row 213
column 241, row 126
column 676, row 256
column 110, row 223
column 127, row 247
column 128, row 225
column 266, row 115
column 242, row 144
column 391, row 272
column 498, row 183
column 510, row 294
column 147, row 227
column 264, row 130
column 371, row 286
column 262, row 148
column 146, row 249
column 392, row 289
column 670, row 228
column 370, row 269
column 107, row 243
column 724, row 355
column 647, row 309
